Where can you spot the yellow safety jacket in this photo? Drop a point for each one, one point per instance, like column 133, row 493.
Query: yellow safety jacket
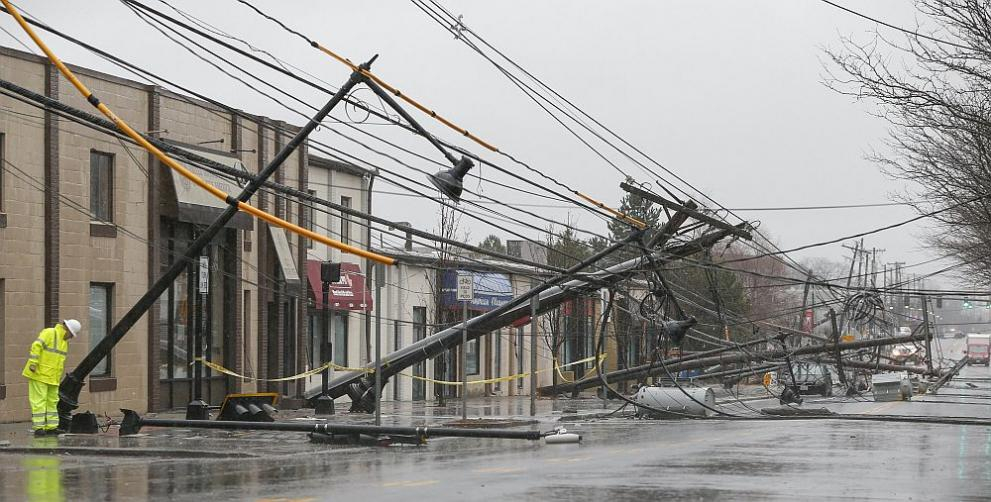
column 48, row 352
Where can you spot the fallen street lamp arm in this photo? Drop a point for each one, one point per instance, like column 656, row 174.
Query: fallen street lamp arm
column 133, row 423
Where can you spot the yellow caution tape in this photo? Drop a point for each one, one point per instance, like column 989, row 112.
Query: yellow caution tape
column 220, row 369
column 506, row 378
column 315, row 371
column 594, row 368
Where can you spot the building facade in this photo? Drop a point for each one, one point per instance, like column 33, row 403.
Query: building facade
column 418, row 300
column 87, row 222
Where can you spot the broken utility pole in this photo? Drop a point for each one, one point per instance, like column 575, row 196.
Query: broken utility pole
column 673, row 365
column 550, row 294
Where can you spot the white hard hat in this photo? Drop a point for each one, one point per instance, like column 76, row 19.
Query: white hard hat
column 73, row 326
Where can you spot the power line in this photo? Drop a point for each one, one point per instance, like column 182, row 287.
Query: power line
column 434, row 15
column 898, row 28
column 128, row 2
column 309, row 83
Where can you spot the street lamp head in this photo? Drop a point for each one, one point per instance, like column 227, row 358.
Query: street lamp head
column 451, row 181
column 676, row 330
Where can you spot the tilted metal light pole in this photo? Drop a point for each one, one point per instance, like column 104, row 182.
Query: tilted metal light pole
column 72, row 383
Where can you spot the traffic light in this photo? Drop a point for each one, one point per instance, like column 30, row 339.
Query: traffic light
column 253, row 407
column 330, row 272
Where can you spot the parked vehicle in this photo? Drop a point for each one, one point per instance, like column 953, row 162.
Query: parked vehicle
column 906, row 353
column 810, row 378
column 978, row 349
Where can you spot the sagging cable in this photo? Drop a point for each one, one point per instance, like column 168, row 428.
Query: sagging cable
column 371, row 76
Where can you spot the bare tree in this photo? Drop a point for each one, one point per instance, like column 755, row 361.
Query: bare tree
column 938, row 100
column 449, row 221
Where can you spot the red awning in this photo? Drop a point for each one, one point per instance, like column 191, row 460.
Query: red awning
column 349, row 294
column 519, row 323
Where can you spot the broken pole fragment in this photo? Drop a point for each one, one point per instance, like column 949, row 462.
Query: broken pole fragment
column 678, row 364
column 687, row 209
column 133, row 423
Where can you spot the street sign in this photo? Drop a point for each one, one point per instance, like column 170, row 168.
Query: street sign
column 204, row 274
column 466, row 287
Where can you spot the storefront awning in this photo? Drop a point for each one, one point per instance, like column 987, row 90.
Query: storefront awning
column 195, row 205
column 348, row 294
column 284, row 254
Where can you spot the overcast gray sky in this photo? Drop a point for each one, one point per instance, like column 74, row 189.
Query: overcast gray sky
column 728, row 95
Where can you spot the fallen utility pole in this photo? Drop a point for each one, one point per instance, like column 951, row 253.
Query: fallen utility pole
column 551, row 294
column 730, row 372
column 360, row 389
column 685, row 208
column 133, row 423
column 941, row 381
column 879, row 366
column 72, row 383
column 673, row 365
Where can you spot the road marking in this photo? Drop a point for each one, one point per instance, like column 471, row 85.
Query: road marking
column 409, row 483
column 883, row 407
column 499, row 470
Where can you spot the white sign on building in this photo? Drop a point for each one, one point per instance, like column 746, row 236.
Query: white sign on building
column 466, row 286
column 204, row 274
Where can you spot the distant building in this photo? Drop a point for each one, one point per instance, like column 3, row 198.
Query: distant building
column 350, row 300
column 419, row 300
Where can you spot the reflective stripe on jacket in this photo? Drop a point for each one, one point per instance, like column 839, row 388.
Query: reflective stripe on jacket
column 48, row 352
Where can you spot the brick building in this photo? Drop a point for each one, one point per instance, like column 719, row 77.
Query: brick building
column 87, row 222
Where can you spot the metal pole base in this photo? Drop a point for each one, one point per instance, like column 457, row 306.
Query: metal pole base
column 197, row 410
column 324, row 405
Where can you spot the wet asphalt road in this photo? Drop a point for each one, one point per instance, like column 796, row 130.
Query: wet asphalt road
column 620, row 459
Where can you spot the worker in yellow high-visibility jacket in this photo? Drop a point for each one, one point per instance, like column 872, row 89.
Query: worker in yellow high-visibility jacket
column 43, row 370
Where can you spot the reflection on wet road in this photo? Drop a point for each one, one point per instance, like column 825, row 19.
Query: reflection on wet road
column 620, row 459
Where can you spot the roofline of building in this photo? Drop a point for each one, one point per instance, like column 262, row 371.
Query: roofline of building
column 336, row 165
column 88, row 72
column 481, row 264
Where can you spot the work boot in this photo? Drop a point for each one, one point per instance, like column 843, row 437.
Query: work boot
column 40, row 432
column 56, row 432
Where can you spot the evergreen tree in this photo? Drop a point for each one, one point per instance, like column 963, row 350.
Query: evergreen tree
column 493, row 243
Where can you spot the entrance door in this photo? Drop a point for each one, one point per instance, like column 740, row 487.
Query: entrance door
column 419, row 369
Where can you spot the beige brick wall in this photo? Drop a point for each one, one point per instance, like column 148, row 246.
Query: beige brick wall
column 121, row 260
column 22, row 242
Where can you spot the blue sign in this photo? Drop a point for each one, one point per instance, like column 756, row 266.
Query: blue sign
column 491, row 290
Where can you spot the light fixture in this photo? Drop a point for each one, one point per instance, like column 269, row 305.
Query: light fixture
column 451, row 181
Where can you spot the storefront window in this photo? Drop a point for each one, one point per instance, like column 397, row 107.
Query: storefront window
column 100, row 320
column 316, row 333
column 472, row 357
column 341, row 338
column 181, row 319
